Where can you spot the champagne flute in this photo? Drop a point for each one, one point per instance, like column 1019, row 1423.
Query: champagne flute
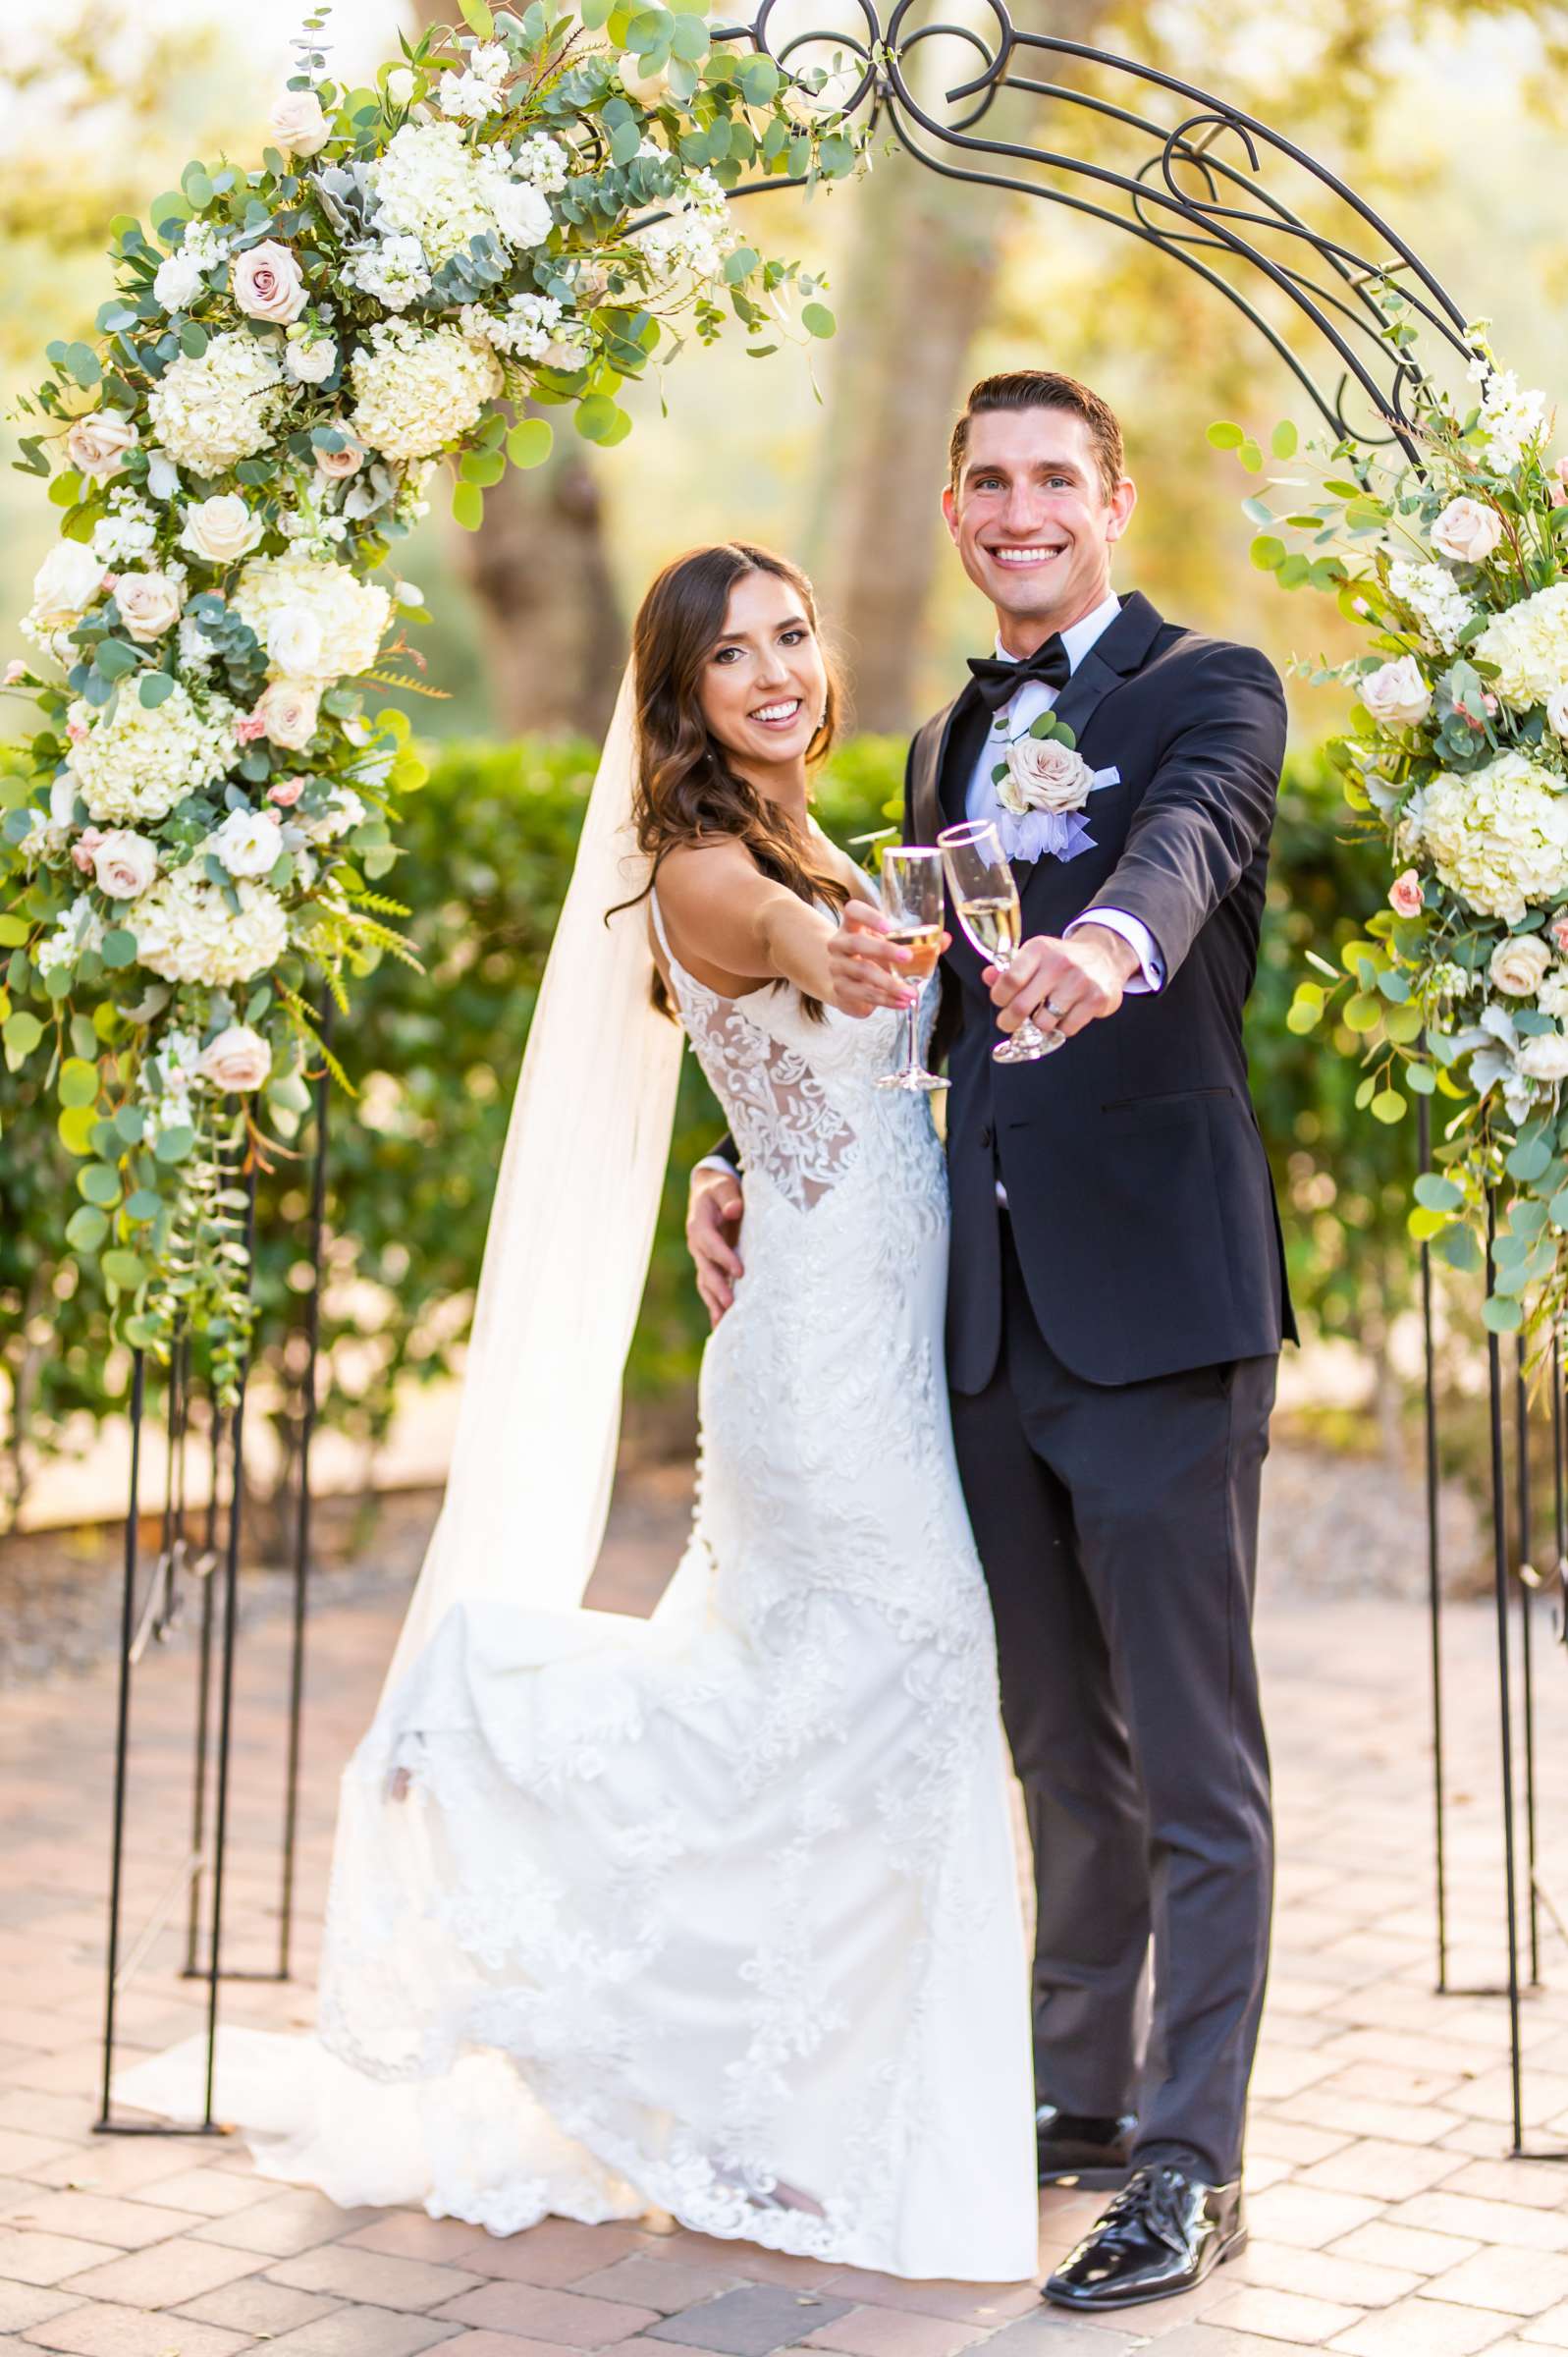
column 987, row 899
column 912, row 903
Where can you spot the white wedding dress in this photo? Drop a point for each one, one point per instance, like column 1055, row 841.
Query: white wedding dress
column 716, row 1913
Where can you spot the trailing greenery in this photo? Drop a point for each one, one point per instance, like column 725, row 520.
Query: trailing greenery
column 434, row 1054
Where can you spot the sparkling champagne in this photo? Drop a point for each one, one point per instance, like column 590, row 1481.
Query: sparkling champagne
column 924, row 943
column 994, row 925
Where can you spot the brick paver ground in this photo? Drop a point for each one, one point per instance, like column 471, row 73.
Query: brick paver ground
column 1385, row 2220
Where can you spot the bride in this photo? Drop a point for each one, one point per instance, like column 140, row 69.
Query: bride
column 716, row 1912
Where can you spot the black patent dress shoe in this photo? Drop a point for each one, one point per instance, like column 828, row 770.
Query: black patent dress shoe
column 1160, row 2235
column 1076, row 2149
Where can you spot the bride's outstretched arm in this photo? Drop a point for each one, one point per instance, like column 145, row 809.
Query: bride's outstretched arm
column 725, row 916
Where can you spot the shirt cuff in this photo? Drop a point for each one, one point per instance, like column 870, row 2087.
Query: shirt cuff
column 1138, row 938
column 715, row 1161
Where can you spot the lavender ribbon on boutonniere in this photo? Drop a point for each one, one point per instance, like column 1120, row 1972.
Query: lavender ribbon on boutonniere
column 1041, row 783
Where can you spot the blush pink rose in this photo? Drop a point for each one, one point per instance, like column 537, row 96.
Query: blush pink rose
column 15, row 671
column 97, row 445
column 285, row 793
column 1557, row 482
column 86, row 845
column 1558, row 931
column 248, row 728
column 267, row 284
column 1404, row 893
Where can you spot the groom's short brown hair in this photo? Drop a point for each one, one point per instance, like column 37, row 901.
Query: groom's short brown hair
column 1044, row 388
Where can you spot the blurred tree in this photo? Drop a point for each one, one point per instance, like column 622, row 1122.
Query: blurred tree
column 539, row 570
column 918, row 287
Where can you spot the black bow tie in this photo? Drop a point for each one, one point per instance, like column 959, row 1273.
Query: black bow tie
column 997, row 680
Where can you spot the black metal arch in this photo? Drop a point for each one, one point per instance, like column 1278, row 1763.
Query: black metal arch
column 1331, row 265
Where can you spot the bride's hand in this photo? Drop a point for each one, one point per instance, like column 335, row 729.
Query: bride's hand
column 866, row 968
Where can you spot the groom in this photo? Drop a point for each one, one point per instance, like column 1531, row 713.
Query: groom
column 1115, row 1309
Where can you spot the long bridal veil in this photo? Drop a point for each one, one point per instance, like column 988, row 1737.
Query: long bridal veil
column 533, row 1459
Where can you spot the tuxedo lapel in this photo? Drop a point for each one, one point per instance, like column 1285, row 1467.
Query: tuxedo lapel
column 1119, row 650
column 941, row 761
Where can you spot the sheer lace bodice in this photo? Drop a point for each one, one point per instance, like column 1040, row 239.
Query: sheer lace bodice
column 719, row 1911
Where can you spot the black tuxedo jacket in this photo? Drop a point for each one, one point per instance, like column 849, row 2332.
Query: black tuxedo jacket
column 1137, row 1183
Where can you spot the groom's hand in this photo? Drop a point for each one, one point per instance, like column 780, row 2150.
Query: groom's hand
column 1064, row 984
column 714, row 1208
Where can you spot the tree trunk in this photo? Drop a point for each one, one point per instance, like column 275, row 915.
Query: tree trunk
column 555, row 638
column 914, row 293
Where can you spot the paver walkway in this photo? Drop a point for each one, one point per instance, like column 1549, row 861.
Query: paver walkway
column 1385, row 2222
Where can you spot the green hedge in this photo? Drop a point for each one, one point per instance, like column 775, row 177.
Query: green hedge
column 490, row 842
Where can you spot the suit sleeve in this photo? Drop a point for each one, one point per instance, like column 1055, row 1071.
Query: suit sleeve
column 1210, row 806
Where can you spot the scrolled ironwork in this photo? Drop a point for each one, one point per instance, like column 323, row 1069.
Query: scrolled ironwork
column 1195, row 186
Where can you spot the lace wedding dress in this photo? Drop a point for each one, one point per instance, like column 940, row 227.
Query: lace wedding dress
column 716, row 1912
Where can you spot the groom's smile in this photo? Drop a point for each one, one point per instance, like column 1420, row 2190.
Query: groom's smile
column 1033, row 516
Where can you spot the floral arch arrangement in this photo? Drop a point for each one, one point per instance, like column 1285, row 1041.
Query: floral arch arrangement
column 1449, row 546
column 518, row 216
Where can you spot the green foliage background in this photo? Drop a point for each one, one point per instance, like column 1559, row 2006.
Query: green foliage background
column 489, row 847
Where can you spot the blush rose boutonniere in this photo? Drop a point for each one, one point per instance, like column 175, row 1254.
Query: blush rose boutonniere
column 1043, row 773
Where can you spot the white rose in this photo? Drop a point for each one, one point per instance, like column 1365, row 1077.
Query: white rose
column 1467, row 532
column 149, row 603
column 288, row 714
column 295, row 641
column 163, row 476
column 248, row 842
column 66, row 583
column 1517, row 966
column 1545, row 1058
column 401, row 86
column 267, row 284
column 1557, row 710
column 1046, row 775
column 178, row 281
column 1396, row 694
column 298, row 123
column 123, row 863
column 237, row 1059
column 522, row 215
column 311, row 364
column 220, row 529
column 97, row 445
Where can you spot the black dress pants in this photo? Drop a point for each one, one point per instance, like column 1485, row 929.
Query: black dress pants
column 1117, row 1526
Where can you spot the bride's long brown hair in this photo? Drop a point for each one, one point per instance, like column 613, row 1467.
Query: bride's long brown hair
column 687, row 788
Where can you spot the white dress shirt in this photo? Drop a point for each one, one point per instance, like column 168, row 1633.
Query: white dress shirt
column 1015, row 716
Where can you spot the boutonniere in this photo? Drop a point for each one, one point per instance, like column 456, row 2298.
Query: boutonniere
column 1043, row 770
column 1042, row 783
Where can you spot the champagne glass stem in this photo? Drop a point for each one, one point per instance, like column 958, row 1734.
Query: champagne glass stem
column 912, row 1030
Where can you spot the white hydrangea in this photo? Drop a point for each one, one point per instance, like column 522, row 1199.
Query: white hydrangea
column 416, row 389
column 350, row 616
column 1528, row 643
column 1498, row 838
column 139, row 765
column 185, row 931
column 393, row 270
column 429, row 186
column 215, row 410
column 77, row 928
column 129, row 533
column 479, row 90
column 1435, row 597
column 543, row 160
column 526, row 327
column 699, row 232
